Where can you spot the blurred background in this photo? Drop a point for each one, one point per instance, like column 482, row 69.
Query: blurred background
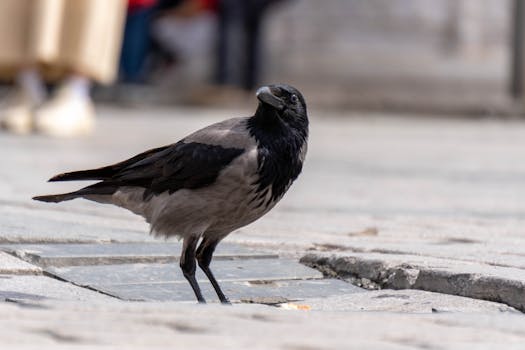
column 430, row 56
column 407, row 55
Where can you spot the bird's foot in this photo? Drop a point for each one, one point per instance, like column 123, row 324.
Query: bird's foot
column 225, row 301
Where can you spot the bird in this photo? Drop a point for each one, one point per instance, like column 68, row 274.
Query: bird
column 210, row 183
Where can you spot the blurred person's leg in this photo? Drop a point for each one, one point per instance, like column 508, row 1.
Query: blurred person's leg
column 88, row 50
column 59, row 37
column 92, row 38
column 16, row 114
column 136, row 45
column 70, row 112
column 239, row 42
column 230, row 43
column 254, row 18
column 18, row 65
column 252, row 37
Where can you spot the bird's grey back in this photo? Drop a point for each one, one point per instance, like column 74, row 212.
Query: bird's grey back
column 230, row 133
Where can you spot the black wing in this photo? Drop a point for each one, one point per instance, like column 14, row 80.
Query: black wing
column 170, row 168
column 182, row 165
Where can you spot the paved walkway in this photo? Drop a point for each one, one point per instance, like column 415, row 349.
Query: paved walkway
column 424, row 216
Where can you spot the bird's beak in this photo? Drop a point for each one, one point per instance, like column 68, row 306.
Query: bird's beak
column 267, row 95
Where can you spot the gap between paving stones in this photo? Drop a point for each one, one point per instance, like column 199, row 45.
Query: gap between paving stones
column 90, row 261
column 63, row 255
column 423, row 273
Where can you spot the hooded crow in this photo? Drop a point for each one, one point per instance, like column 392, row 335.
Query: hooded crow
column 210, row 183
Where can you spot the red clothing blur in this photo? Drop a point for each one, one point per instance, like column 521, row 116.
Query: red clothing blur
column 209, row 4
column 140, row 4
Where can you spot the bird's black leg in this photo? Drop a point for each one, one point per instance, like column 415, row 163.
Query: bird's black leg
column 188, row 265
column 204, row 256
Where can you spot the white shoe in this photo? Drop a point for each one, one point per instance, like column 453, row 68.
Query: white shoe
column 66, row 115
column 17, row 114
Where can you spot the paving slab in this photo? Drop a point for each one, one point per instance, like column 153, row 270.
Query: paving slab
column 29, row 225
column 474, row 280
column 161, row 325
column 406, row 301
column 232, row 270
column 60, row 255
column 30, row 289
column 258, row 292
column 15, row 266
column 149, row 271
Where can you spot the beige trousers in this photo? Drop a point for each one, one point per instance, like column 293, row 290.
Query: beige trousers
column 62, row 36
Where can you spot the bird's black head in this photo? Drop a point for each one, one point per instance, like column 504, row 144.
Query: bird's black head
column 280, row 127
column 285, row 102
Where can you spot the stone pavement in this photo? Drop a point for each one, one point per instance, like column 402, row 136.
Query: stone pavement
column 423, row 216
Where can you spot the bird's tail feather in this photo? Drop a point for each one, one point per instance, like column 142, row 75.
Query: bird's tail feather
column 107, row 172
column 100, row 188
column 56, row 198
column 92, row 174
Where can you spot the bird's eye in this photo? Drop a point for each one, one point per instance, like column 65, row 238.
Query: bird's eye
column 293, row 98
